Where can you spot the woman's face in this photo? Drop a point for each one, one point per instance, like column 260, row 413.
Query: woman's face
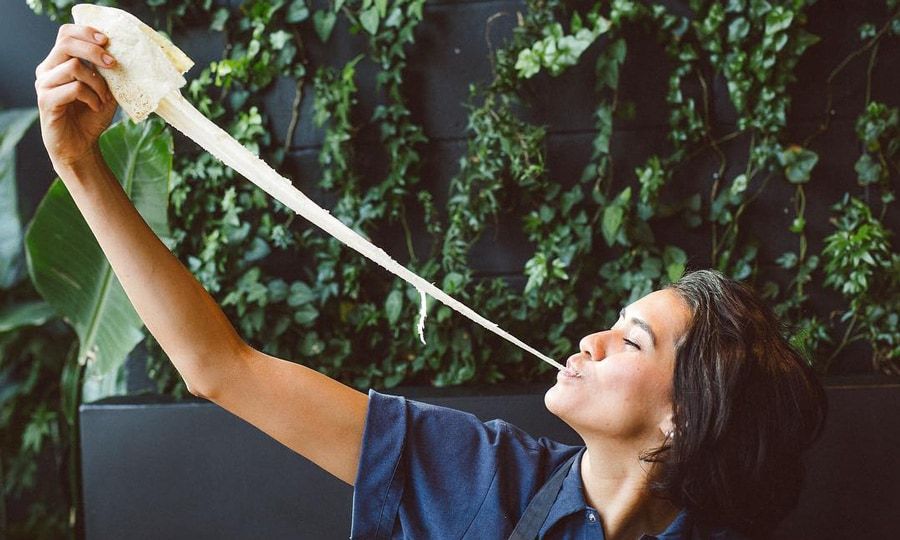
column 625, row 388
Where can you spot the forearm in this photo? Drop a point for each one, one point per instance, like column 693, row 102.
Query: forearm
column 181, row 315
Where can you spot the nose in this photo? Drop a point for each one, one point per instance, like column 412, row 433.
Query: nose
column 594, row 345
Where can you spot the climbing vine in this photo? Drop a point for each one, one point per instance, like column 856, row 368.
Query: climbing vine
column 594, row 240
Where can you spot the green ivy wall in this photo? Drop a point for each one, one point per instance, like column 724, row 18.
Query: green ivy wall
column 688, row 134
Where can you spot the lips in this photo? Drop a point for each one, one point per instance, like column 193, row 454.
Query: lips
column 573, row 363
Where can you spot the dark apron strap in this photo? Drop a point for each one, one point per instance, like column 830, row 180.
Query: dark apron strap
column 538, row 508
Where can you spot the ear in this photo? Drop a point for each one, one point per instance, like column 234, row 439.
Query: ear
column 667, row 425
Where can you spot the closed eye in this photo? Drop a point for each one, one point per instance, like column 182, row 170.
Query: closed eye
column 633, row 344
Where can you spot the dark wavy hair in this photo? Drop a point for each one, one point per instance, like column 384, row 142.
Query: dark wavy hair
column 745, row 407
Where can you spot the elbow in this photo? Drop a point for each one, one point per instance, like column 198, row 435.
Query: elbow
column 198, row 383
column 213, row 373
column 197, row 391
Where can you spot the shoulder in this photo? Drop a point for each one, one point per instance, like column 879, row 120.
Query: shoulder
column 420, row 423
column 418, row 460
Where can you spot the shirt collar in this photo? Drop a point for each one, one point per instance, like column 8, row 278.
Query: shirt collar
column 571, row 500
column 676, row 530
column 571, row 495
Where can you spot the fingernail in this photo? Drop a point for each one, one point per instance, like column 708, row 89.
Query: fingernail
column 108, row 60
column 99, row 38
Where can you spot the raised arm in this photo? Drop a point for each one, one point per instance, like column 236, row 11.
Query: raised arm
column 310, row 413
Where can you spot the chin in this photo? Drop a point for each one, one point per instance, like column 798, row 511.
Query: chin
column 566, row 406
column 555, row 401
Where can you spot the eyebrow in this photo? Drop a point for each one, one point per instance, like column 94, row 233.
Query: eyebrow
column 643, row 326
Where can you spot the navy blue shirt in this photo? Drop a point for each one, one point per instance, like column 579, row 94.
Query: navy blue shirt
column 432, row 472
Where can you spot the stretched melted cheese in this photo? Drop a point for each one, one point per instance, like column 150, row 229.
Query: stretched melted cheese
column 148, row 77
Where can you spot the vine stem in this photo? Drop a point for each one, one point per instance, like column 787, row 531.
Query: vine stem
column 701, row 148
column 707, row 125
column 407, row 234
column 829, row 83
column 801, row 194
column 295, row 116
column 487, row 37
column 844, row 342
column 869, row 69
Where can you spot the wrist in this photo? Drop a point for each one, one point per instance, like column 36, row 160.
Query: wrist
column 77, row 169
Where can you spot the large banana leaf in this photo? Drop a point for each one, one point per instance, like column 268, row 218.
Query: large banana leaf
column 71, row 272
column 13, row 125
column 33, row 313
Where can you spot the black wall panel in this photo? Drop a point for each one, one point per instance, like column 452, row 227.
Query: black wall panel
column 194, row 471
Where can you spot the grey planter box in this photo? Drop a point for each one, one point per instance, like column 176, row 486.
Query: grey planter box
column 193, row 470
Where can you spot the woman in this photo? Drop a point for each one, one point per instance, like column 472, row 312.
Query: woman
column 693, row 409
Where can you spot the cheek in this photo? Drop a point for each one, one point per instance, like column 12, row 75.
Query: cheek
column 634, row 383
column 619, row 399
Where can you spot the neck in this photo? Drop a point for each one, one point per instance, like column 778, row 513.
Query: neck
column 616, row 483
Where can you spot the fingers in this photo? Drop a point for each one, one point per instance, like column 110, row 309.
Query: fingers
column 77, row 41
column 82, row 32
column 73, row 69
column 58, row 97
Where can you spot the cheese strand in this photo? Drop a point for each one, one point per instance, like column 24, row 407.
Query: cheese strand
column 180, row 114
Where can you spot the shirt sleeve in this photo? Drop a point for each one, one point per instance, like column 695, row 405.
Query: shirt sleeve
column 432, row 472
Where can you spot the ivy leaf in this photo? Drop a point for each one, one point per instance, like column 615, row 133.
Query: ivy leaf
column 527, row 64
column 278, row 290
column 798, row 163
column 738, row 30
column 675, row 260
column 393, row 305
column 323, row 21
column 382, row 7
column 453, row 282
column 803, row 40
column 278, row 39
column 867, row 169
column 778, row 19
column 608, row 63
column 787, row 260
column 614, row 215
column 735, row 6
column 612, row 221
column 306, row 315
column 297, row 12
column 369, row 20
column 739, row 185
column 219, row 18
column 866, row 31
column 300, row 294
column 311, row 345
column 394, row 19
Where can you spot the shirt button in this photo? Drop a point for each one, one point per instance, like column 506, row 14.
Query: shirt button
column 591, row 517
